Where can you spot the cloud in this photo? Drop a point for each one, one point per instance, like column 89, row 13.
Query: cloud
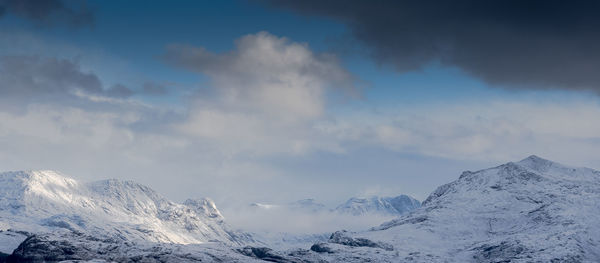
column 34, row 79
column 153, row 88
column 49, row 12
column 118, row 91
column 32, row 75
column 264, row 95
column 285, row 219
column 268, row 74
column 516, row 44
column 496, row 130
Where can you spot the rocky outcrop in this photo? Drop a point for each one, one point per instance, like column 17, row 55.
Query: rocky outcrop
column 70, row 246
column 342, row 238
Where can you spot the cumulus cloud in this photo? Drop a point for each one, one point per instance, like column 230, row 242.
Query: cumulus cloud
column 49, row 12
column 517, row 44
column 265, row 94
column 268, row 74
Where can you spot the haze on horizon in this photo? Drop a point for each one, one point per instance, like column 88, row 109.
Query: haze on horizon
column 276, row 101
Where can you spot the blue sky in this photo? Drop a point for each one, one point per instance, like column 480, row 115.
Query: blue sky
column 266, row 103
column 138, row 37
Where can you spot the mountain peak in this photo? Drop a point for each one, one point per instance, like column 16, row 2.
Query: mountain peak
column 537, row 163
column 534, row 159
column 513, row 212
column 531, row 169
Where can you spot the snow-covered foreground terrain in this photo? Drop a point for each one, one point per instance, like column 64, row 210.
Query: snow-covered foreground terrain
column 534, row 210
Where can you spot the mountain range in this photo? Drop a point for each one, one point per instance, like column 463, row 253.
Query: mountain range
column 534, row 210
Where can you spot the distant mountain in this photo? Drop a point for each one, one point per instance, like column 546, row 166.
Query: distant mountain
column 355, row 206
column 46, row 201
column 307, row 205
column 393, row 206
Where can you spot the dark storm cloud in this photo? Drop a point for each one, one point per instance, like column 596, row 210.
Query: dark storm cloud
column 517, row 43
column 25, row 79
column 49, row 12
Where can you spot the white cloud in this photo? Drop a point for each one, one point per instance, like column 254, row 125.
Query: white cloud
column 265, row 96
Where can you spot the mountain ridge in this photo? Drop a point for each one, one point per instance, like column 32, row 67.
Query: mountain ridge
column 45, row 200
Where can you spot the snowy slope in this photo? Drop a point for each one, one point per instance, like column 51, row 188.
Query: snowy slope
column 43, row 201
column 534, row 210
column 393, row 206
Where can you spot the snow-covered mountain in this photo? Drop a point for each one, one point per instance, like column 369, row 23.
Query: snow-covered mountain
column 393, row 206
column 44, row 201
column 534, row 210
